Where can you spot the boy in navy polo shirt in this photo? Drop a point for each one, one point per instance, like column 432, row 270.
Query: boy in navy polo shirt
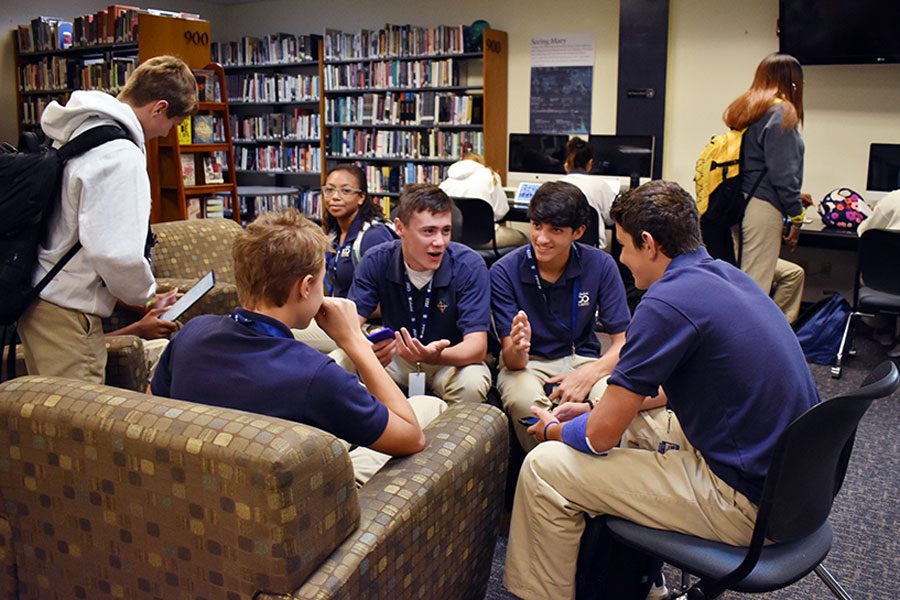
column 708, row 342
column 434, row 294
column 250, row 360
column 543, row 297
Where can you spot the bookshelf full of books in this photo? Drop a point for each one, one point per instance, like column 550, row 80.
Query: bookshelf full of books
column 274, row 90
column 405, row 102
column 98, row 51
column 200, row 157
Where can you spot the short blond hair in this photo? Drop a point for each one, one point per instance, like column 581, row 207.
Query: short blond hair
column 163, row 78
column 276, row 251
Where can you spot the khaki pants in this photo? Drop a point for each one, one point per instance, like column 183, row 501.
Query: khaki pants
column 153, row 350
column 558, row 485
column 522, row 389
column 451, row 384
column 314, row 337
column 762, row 228
column 367, row 462
column 62, row 342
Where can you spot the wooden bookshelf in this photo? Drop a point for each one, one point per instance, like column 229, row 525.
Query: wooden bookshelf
column 485, row 77
column 176, row 194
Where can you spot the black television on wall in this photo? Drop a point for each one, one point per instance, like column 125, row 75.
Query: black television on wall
column 835, row 32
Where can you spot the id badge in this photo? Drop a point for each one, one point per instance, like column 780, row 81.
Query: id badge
column 416, row 385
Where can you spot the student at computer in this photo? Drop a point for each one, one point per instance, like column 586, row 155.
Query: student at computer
column 435, row 294
column 543, row 298
column 471, row 177
column 578, row 165
column 249, row 360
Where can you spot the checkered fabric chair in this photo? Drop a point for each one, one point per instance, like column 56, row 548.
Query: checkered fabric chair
column 187, row 250
column 106, row 492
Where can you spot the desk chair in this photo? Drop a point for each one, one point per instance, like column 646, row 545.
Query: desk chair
column 876, row 287
column 591, row 235
column 478, row 229
column 805, row 474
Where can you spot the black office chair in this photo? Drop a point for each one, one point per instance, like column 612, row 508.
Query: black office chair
column 478, row 229
column 876, row 288
column 591, row 235
column 805, row 474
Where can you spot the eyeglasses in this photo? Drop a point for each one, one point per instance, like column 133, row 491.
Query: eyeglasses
column 329, row 192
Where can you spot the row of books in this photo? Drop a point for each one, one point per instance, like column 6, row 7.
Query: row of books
column 208, row 87
column 33, row 107
column 431, row 143
column 406, row 108
column 288, row 127
column 201, row 129
column 396, row 40
column 309, row 202
column 412, row 74
column 259, row 87
column 86, row 73
column 207, row 207
column 271, row 49
column 197, row 169
column 287, row 158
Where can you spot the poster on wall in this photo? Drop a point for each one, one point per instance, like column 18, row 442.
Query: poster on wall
column 562, row 74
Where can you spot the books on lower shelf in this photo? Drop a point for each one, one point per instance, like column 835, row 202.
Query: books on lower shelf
column 194, row 208
column 184, row 131
column 213, row 207
column 296, row 126
column 208, row 89
column 391, row 179
column 405, row 74
column 87, row 73
column 213, row 167
column 261, row 87
column 406, row 108
column 424, row 144
column 277, row 48
column 188, row 169
column 204, row 129
column 307, row 201
column 289, row 158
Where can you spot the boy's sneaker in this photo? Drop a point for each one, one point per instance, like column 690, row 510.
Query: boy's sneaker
column 659, row 589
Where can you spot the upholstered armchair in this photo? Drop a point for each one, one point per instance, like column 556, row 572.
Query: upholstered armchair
column 187, row 250
column 108, row 492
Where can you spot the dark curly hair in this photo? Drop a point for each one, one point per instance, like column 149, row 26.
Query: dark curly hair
column 664, row 210
column 368, row 210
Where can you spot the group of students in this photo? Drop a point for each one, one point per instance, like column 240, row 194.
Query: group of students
column 671, row 427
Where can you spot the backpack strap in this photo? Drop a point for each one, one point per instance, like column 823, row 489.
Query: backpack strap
column 356, row 249
column 90, row 139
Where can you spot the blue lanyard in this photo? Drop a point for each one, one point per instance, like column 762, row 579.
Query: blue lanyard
column 333, row 266
column 416, row 332
column 259, row 326
column 576, row 291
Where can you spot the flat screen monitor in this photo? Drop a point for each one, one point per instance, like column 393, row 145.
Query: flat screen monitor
column 622, row 155
column 884, row 170
column 537, row 153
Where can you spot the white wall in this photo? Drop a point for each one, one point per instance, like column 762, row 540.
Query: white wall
column 13, row 14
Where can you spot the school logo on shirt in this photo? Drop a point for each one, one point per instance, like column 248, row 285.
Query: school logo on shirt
column 442, row 306
column 345, row 252
column 584, row 299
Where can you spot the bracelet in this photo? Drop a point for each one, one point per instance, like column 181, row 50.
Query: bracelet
column 548, row 425
column 589, row 402
column 148, row 305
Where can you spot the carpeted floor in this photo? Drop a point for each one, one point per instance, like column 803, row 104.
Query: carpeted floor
column 865, row 556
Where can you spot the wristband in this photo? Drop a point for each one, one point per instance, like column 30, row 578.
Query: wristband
column 149, row 305
column 548, row 425
column 589, row 402
column 798, row 219
column 574, row 434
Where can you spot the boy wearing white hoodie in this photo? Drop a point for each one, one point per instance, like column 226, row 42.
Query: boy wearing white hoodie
column 105, row 204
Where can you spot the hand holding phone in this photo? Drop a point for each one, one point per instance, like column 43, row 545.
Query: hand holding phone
column 527, row 421
column 382, row 334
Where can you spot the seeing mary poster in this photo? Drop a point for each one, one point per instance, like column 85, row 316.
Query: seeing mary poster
column 562, row 73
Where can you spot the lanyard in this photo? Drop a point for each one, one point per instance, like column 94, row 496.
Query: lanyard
column 333, row 265
column 259, row 326
column 576, row 291
column 416, row 332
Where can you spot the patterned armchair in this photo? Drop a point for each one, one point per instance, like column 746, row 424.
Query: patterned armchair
column 106, row 492
column 188, row 250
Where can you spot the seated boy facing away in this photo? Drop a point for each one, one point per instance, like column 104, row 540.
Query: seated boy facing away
column 543, row 297
column 250, row 361
column 435, row 294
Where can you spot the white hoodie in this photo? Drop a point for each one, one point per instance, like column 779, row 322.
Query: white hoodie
column 105, row 204
column 470, row 179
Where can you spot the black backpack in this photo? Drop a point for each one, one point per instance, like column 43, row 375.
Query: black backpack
column 30, row 188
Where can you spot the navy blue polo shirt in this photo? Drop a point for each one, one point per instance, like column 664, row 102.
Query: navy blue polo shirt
column 460, row 301
column 217, row 360
column 730, row 365
column 513, row 288
column 340, row 270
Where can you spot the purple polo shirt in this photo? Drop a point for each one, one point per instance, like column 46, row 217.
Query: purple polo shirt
column 590, row 280
column 730, row 365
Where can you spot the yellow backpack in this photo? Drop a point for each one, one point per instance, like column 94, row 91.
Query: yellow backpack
column 718, row 162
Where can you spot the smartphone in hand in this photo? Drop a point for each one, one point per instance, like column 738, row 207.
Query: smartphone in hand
column 382, row 334
column 527, row 421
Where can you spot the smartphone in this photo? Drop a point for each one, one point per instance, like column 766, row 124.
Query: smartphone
column 549, row 387
column 206, row 283
column 527, row 421
column 382, row 334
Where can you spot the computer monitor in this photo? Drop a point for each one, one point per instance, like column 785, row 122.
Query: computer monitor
column 622, row 155
column 884, row 171
column 536, row 157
